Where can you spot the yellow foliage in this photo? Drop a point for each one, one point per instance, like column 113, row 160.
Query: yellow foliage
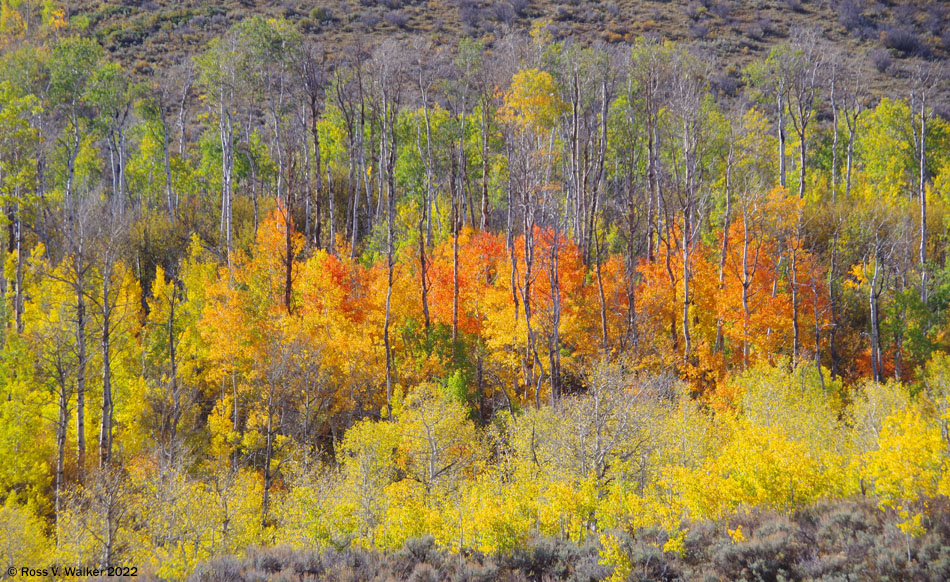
column 909, row 462
column 762, row 467
column 532, row 102
column 613, row 554
column 22, row 538
column 676, row 543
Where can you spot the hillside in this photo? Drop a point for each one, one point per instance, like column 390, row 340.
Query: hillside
column 883, row 36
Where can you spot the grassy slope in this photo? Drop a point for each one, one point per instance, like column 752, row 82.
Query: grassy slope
column 148, row 33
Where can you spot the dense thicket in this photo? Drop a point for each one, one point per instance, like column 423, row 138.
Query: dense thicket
column 828, row 542
column 482, row 294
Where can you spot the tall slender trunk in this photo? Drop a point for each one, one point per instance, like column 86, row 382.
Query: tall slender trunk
column 62, row 427
column 793, row 276
column 426, row 210
column 833, row 303
column 528, row 249
column 425, row 218
column 456, row 219
column 173, row 372
column 674, row 338
column 181, row 115
column 600, row 293
column 687, row 339
column 386, row 324
column 123, row 187
column 746, row 283
column 630, row 267
column 802, row 156
column 318, row 176
column 821, row 373
column 18, row 296
column 834, row 140
column 577, row 188
column 235, row 419
column 554, row 350
column 332, row 218
column 423, row 276
column 718, row 346
column 485, row 129
column 81, row 378
column 781, row 137
column 268, row 457
column 389, row 161
column 688, row 236
column 355, row 184
column 509, row 237
column 113, row 171
column 873, row 295
column 288, row 254
column 923, row 198
column 852, row 131
column 166, row 159
column 105, row 429
column 653, row 181
column 227, row 165
column 598, row 178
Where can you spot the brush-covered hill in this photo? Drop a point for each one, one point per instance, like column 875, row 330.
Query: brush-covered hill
column 885, row 36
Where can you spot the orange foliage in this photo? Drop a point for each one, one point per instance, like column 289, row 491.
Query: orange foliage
column 480, row 257
column 748, row 315
column 339, row 305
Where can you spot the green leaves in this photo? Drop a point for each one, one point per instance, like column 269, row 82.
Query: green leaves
column 73, row 61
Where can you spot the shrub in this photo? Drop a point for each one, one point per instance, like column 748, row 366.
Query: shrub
column 554, row 559
column 881, row 59
column 844, row 540
column 505, row 13
column 724, row 83
column 219, row 21
column 321, row 14
column 851, row 15
column 903, row 40
column 307, row 25
column 770, row 554
column 904, row 14
column 722, row 9
column 226, row 569
column 369, row 20
column 937, row 19
column 694, row 11
column 469, row 14
column 754, row 31
column 795, row 5
column 397, row 18
column 424, row 573
column 416, row 551
column 698, row 30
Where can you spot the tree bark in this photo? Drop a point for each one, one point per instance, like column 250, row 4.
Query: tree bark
column 81, row 379
column 923, row 198
column 105, row 429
